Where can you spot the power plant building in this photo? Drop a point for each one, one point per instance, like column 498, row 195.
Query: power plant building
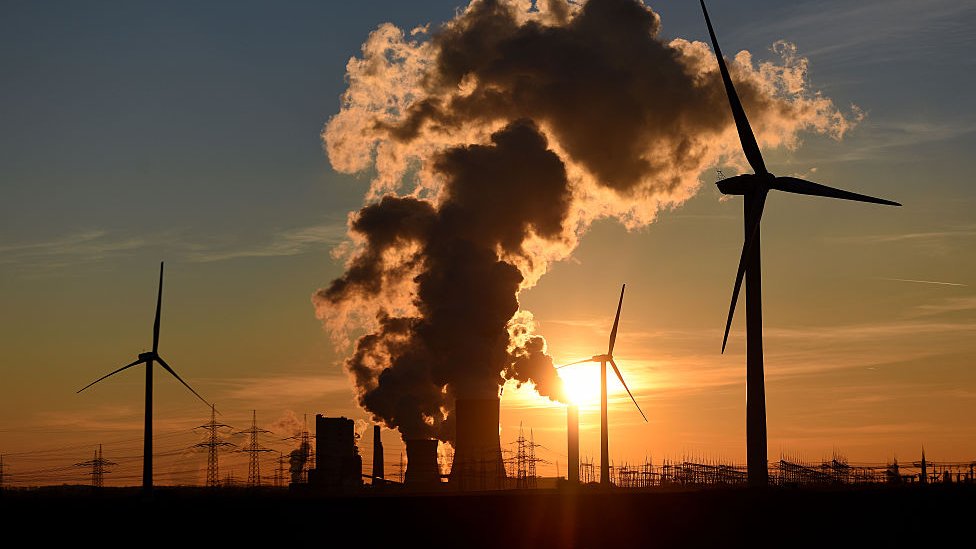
column 338, row 464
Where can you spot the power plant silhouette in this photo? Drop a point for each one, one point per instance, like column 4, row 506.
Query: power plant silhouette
column 478, row 462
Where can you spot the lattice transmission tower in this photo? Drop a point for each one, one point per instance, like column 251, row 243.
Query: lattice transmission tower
column 213, row 445
column 254, row 449
column 98, row 466
column 306, row 450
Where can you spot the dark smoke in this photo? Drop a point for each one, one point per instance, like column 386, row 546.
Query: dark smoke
column 495, row 144
column 604, row 85
column 410, row 370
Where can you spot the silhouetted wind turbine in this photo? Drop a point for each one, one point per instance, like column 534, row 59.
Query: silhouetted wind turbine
column 754, row 188
column 603, row 360
column 148, row 359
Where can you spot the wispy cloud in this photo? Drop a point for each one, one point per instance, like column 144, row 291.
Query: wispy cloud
column 85, row 246
column 950, row 305
column 900, row 29
column 879, row 140
column 941, row 241
column 282, row 243
column 936, row 282
column 100, row 245
column 917, row 236
column 277, row 389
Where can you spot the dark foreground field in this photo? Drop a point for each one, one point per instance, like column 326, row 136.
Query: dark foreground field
column 914, row 516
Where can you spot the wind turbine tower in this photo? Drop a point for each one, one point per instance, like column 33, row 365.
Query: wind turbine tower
column 754, row 187
column 604, row 423
column 149, row 358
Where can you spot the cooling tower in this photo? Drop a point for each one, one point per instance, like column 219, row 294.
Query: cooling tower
column 477, row 451
column 572, row 439
column 422, row 466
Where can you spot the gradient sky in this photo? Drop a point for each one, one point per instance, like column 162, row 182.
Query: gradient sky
column 137, row 132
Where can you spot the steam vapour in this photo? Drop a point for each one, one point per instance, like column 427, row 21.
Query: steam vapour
column 495, row 142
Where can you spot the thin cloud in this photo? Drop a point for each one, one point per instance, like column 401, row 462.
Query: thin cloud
column 952, row 305
column 283, row 243
column 100, row 245
column 281, row 388
column 901, row 29
column 937, row 242
column 877, row 141
column 922, row 281
column 86, row 246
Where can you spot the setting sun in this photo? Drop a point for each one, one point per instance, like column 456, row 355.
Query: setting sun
column 582, row 382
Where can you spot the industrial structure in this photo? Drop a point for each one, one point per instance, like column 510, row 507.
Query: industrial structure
column 572, row 442
column 213, row 444
column 377, row 473
column 98, row 465
column 338, row 465
column 254, row 451
column 422, row 472
column 478, row 463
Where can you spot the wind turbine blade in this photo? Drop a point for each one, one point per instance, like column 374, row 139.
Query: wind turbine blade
column 170, row 370
column 159, row 305
column 802, row 186
column 616, row 320
column 746, row 137
column 574, row 363
column 621, row 378
column 746, row 250
column 126, row 367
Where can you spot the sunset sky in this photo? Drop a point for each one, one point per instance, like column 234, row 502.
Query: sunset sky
column 191, row 133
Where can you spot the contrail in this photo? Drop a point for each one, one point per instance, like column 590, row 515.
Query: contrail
column 924, row 281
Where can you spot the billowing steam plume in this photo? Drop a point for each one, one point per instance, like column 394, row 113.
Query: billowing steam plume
column 494, row 144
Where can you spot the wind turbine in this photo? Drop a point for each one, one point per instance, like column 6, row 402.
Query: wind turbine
column 148, row 359
column 603, row 360
column 754, row 188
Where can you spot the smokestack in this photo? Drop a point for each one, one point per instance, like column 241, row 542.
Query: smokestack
column 572, row 436
column 477, row 449
column 422, row 466
column 378, row 475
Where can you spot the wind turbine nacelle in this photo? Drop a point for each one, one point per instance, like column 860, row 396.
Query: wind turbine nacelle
column 743, row 184
column 146, row 356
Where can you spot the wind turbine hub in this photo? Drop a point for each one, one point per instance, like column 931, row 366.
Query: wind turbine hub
column 745, row 183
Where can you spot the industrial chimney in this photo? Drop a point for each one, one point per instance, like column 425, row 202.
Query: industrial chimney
column 478, row 461
column 377, row 457
column 572, row 436
column 422, row 469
